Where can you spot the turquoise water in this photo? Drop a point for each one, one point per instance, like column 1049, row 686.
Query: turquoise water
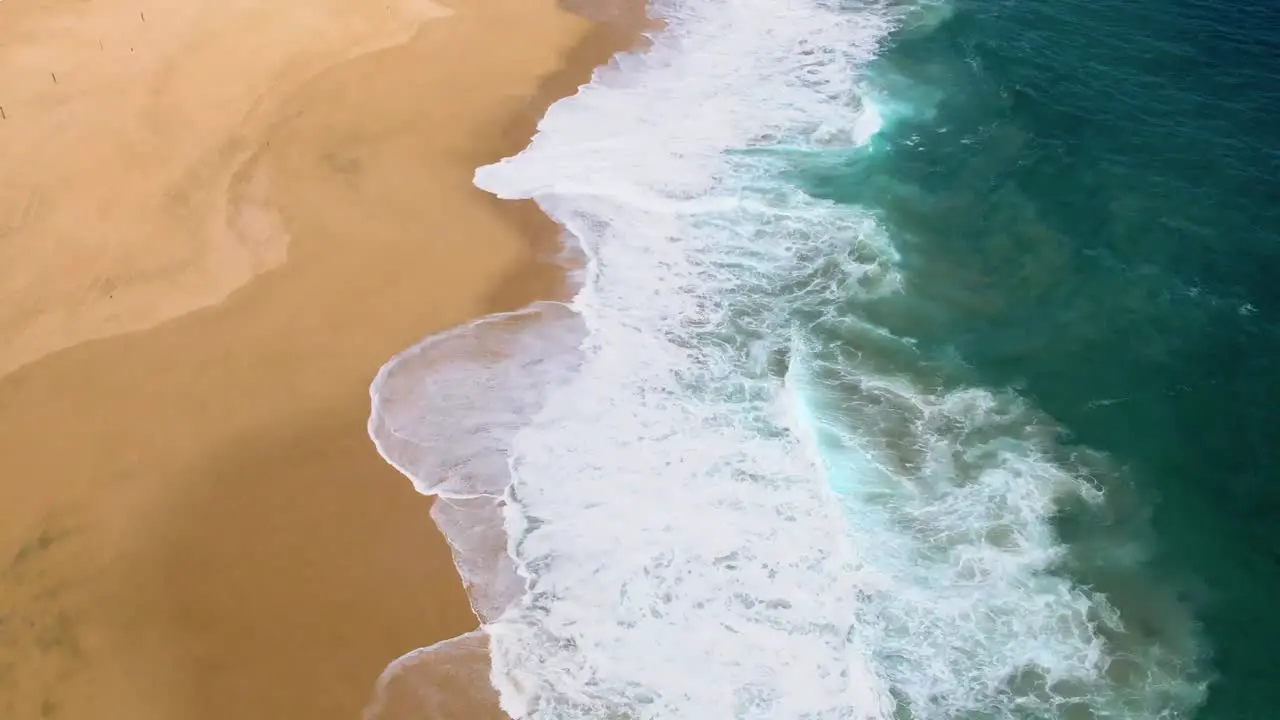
column 921, row 369
column 1086, row 198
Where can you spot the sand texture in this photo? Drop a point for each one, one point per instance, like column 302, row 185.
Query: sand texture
column 193, row 521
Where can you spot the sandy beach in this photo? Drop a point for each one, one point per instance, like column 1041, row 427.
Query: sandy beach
column 217, row 220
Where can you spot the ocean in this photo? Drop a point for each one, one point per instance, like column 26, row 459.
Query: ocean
column 923, row 366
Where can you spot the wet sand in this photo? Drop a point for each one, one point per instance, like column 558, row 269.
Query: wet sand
column 193, row 521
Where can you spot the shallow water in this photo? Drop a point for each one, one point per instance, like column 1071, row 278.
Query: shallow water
column 921, row 369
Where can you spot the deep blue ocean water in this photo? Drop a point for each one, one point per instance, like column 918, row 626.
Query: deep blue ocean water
column 1089, row 212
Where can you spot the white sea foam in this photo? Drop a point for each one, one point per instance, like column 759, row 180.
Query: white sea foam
column 679, row 496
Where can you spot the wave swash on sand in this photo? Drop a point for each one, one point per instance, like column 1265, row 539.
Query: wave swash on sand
column 709, row 486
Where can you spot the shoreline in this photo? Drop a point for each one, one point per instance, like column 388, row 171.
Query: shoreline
column 196, row 524
column 403, row 690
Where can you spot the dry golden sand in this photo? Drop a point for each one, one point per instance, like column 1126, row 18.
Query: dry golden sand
column 193, row 522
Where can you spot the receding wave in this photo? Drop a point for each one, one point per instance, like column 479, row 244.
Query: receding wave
column 716, row 483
